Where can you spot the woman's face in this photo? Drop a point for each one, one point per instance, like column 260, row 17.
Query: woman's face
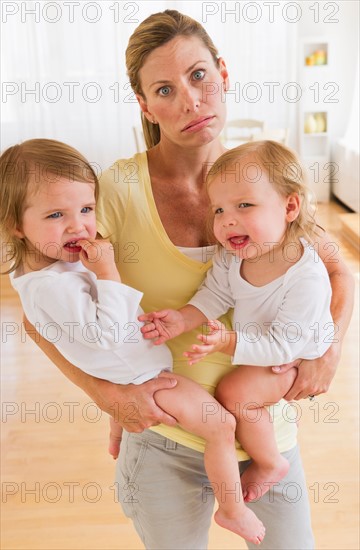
column 184, row 92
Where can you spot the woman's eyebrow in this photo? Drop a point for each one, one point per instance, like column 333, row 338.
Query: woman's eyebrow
column 194, row 65
column 188, row 70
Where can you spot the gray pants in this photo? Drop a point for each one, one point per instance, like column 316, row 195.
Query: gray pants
column 164, row 489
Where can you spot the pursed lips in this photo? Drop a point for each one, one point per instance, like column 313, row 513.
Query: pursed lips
column 197, row 123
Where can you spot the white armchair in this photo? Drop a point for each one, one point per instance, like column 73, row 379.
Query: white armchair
column 240, row 131
column 274, row 134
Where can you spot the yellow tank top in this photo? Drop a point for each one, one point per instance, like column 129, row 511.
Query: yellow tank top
column 148, row 261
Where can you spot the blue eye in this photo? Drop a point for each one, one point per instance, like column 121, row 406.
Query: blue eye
column 55, row 215
column 86, row 210
column 164, row 91
column 199, row 74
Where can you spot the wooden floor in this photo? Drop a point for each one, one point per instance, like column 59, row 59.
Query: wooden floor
column 57, row 479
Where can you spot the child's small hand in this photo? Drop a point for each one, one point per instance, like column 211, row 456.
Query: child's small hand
column 98, row 256
column 162, row 325
column 218, row 339
column 115, row 438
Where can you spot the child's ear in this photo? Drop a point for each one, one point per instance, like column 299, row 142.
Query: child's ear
column 292, row 207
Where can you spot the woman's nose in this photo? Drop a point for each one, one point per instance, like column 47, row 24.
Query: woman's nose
column 191, row 98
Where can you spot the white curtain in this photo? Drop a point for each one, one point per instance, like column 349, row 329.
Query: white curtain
column 64, row 77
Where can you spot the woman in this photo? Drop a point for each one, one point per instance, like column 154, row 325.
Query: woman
column 154, row 207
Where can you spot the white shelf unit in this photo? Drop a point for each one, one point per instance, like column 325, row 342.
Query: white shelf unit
column 314, row 118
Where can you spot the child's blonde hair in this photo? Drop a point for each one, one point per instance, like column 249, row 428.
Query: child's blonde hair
column 33, row 162
column 285, row 173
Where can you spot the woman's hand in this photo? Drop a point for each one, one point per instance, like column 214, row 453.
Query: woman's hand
column 133, row 406
column 314, row 376
column 115, row 438
column 219, row 339
column 162, row 325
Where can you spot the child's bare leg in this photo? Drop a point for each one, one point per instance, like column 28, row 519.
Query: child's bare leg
column 244, row 392
column 115, row 438
column 199, row 413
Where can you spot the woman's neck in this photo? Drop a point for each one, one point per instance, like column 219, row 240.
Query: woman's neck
column 170, row 162
column 178, row 184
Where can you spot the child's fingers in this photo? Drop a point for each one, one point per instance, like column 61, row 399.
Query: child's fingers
column 193, row 361
column 83, row 242
column 215, row 326
column 194, row 357
column 90, row 249
column 160, row 341
column 208, row 339
column 148, row 327
column 161, row 313
column 146, row 317
column 215, row 323
column 101, row 243
column 206, row 348
column 153, row 315
column 151, row 335
column 86, row 244
column 150, row 332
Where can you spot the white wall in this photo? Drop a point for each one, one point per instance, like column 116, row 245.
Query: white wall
column 46, row 46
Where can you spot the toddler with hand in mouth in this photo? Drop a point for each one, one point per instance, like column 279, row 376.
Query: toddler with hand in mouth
column 67, row 280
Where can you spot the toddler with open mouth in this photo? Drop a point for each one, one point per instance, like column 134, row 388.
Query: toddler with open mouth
column 267, row 270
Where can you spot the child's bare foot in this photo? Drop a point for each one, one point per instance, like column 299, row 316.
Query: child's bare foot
column 257, row 480
column 247, row 525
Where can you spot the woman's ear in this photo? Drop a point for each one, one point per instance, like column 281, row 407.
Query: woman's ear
column 18, row 233
column 224, row 73
column 292, row 207
column 144, row 108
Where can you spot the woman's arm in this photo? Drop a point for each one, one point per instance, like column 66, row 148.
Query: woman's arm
column 314, row 377
column 132, row 406
column 342, row 284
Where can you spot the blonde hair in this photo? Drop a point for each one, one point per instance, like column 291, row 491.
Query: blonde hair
column 285, row 173
column 153, row 32
column 33, row 162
